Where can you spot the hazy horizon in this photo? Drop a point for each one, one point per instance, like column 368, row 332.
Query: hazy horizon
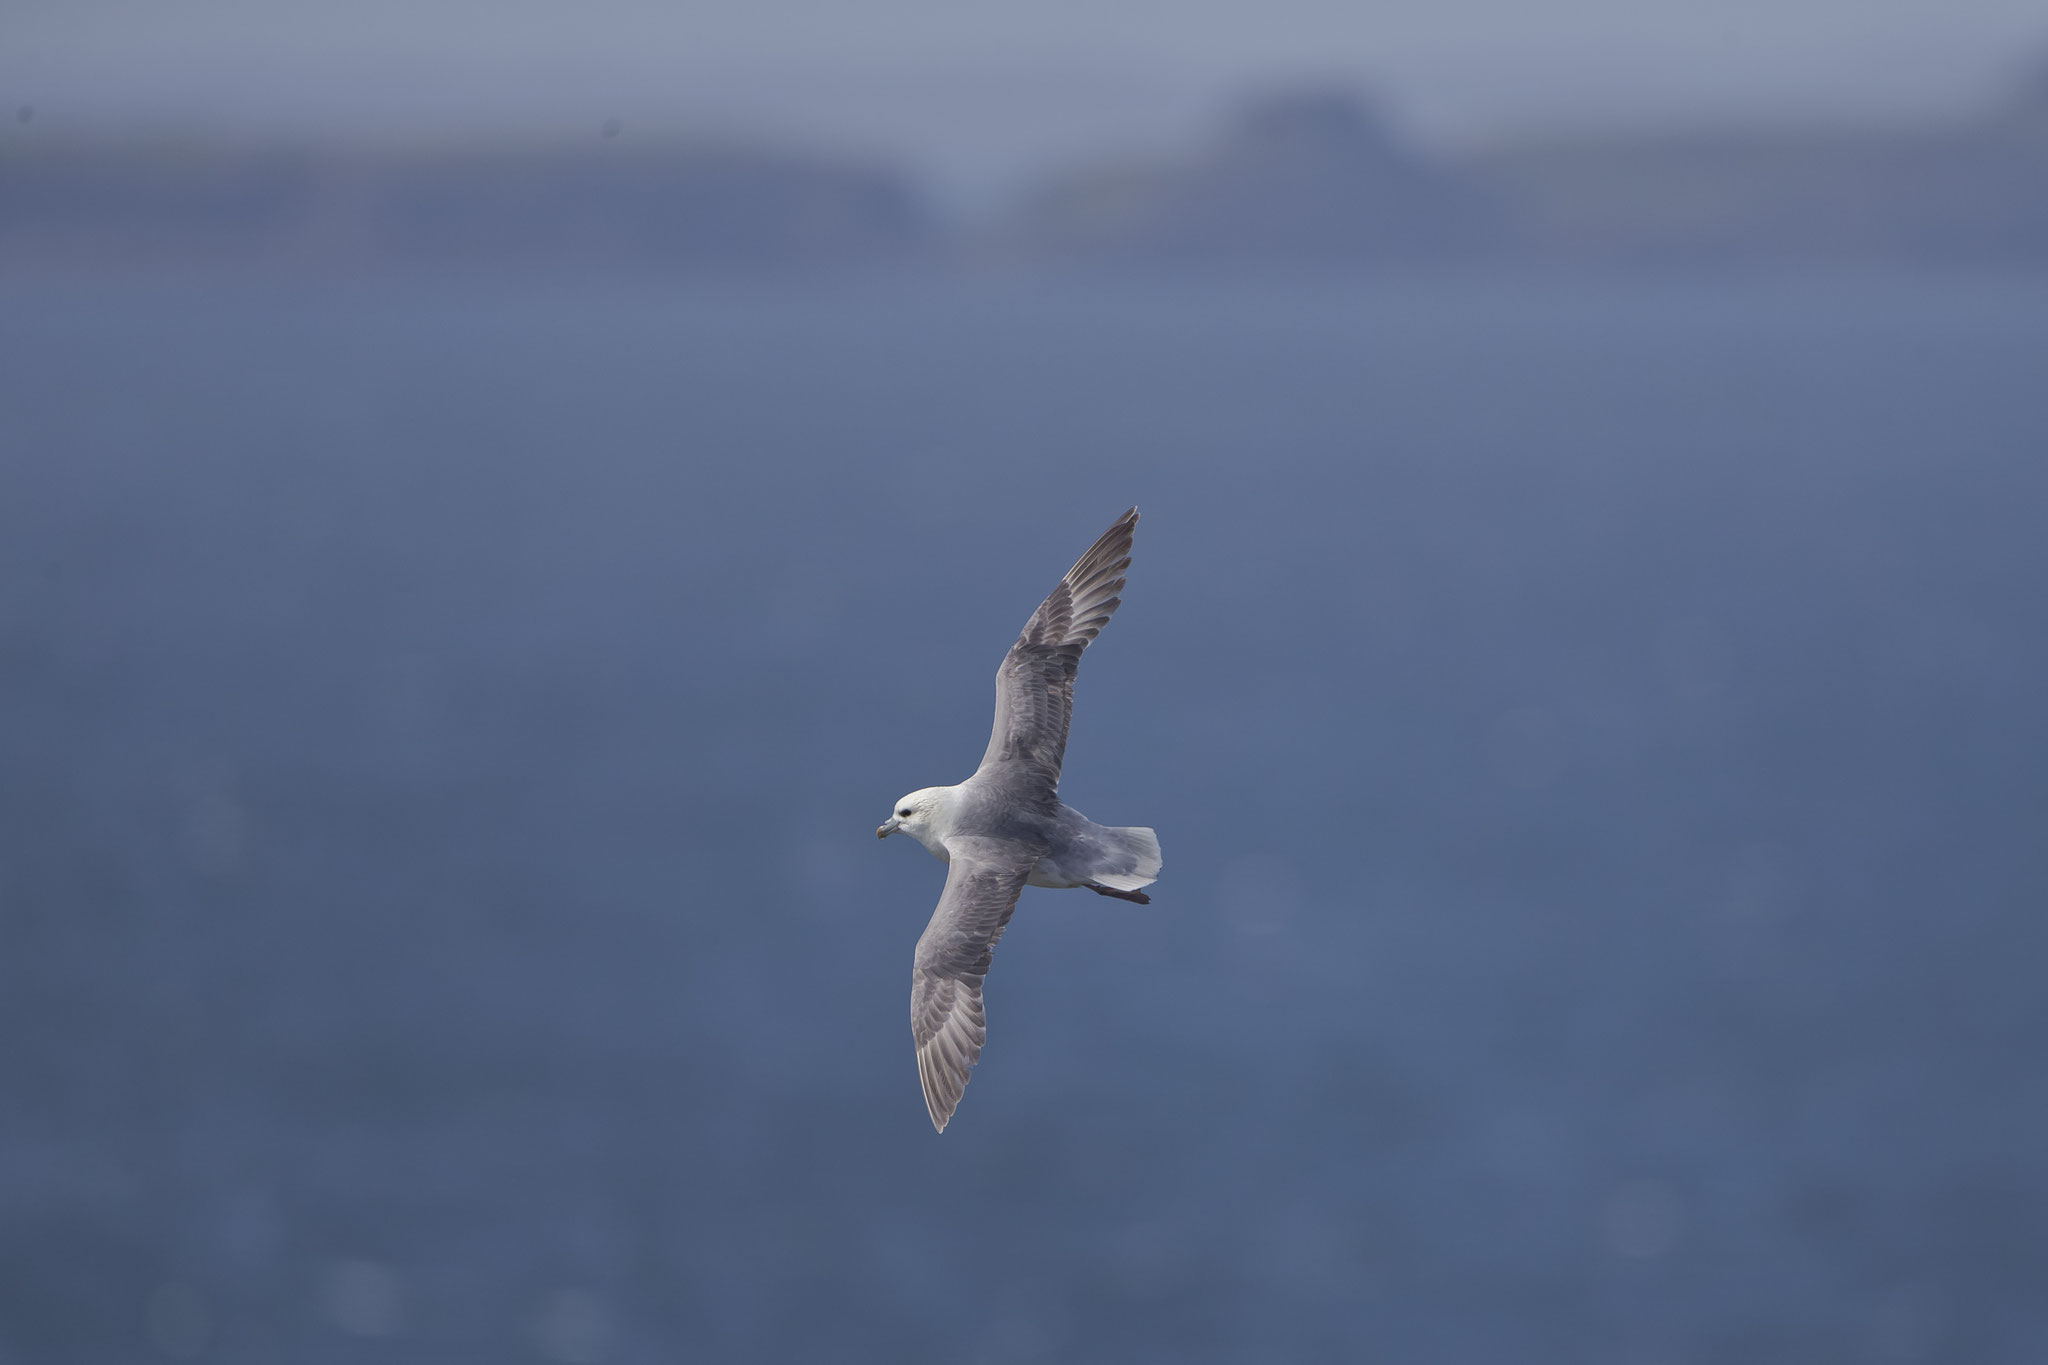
column 982, row 100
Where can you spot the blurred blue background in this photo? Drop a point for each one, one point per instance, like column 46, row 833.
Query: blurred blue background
column 474, row 571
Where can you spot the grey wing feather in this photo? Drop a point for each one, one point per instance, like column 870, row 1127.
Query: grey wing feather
column 983, row 880
column 1035, row 685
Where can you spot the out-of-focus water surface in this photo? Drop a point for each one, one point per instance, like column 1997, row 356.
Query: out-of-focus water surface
column 1598, row 732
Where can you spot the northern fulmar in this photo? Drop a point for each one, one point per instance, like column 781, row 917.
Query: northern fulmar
column 1005, row 827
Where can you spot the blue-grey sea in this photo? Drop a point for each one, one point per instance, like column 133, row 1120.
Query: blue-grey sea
column 1598, row 730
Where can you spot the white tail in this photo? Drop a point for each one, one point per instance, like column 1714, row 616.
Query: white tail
column 1142, row 846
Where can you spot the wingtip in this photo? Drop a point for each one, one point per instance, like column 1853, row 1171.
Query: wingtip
column 935, row 1104
column 939, row 1119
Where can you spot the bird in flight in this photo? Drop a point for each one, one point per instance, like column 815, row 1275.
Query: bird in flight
column 1005, row 827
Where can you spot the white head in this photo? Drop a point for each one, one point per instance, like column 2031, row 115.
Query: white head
column 916, row 815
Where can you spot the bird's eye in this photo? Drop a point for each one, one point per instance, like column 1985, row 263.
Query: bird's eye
column 903, row 814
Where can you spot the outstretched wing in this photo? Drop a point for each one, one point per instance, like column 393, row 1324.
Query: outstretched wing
column 1035, row 685
column 983, row 880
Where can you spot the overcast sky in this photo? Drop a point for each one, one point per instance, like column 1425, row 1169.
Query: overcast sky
column 980, row 92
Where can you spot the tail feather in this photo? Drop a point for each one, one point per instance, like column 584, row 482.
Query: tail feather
column 1142, row 846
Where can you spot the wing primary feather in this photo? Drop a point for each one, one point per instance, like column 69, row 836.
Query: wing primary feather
column 947, row 1022
column 1035, row 684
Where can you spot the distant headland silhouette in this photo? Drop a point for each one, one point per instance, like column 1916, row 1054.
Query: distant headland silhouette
column 1314, row 177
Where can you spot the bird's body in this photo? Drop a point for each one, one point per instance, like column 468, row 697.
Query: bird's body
column 1005, row 827
column 1077, row 851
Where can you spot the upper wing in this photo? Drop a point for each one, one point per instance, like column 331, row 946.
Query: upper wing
column 946, row 1022
column 1035, row 685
